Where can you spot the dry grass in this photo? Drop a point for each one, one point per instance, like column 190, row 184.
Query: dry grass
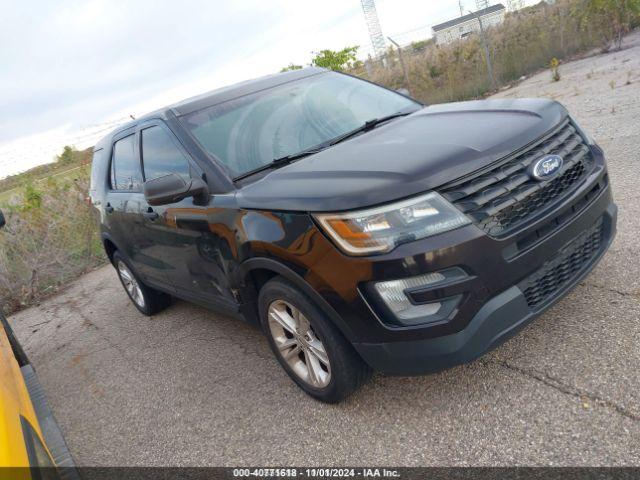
column 51, row 236
column 525, row 43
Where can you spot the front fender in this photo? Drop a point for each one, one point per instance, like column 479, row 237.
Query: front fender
column 242, row 281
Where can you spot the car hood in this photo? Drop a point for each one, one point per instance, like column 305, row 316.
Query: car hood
column 407, row 156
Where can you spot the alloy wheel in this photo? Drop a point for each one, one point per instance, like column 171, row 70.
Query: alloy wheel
column 131, row 284
column 298, row 344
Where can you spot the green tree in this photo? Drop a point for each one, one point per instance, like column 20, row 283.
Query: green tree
column 67, row 156
column 336, row 60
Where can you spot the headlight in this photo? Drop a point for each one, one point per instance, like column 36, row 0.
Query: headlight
column 381, row 229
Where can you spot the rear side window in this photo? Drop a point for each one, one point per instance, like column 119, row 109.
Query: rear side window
column 97, row 170
column 125, row 167
column 161, row 156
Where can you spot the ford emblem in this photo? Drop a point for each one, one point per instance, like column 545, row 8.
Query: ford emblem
column 547, row 167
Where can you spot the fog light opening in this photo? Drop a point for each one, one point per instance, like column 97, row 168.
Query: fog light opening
column 392, row 293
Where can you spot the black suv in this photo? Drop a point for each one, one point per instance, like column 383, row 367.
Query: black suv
column 360, row 229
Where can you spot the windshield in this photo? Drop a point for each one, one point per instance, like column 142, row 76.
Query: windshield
column 251, row 131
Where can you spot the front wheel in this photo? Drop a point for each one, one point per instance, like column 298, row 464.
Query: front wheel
column 308, row 346
column 147, row 300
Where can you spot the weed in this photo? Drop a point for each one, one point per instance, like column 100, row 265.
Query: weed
column 555, row 69
column 51, row 236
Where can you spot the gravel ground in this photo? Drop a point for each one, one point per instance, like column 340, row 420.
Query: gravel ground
column 188, row 387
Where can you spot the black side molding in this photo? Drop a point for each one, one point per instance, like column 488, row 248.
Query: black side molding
column 50, row 430
column 18, row 352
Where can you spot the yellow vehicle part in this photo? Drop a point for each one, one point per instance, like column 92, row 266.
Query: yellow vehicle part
column 14, row 404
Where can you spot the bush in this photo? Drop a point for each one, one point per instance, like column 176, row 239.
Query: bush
column 50, row 238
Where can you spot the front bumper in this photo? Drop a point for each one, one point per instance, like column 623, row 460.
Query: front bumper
column 504, row 288
column 497, row 320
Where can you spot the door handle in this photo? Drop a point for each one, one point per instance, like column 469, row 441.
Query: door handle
column 150, row 215
column 108, row 208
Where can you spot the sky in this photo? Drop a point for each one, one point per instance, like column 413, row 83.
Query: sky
column 73, row 70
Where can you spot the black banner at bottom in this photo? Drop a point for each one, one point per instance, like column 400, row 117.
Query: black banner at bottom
column 407, row 473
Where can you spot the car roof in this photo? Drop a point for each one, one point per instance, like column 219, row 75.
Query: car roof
column 231, row 92
column 215, row 97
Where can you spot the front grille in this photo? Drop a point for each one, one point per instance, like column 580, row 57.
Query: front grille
column 505, row 197
column 556, row 273
column 558, row 221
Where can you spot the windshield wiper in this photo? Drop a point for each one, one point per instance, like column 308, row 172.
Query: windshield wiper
column 295, row 156
column 368, row 125
column 281, row 161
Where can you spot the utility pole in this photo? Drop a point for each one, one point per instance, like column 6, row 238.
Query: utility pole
column 373, row 25
column 404, row 67
column 487, row 55
column 461, row 8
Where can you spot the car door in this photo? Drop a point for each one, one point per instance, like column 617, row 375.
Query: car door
column 178, row 237
column 124, row 199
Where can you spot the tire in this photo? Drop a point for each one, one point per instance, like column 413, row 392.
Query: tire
column 146, row 299
column 341, row 371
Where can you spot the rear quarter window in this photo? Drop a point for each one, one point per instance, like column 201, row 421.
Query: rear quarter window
column 98, row 170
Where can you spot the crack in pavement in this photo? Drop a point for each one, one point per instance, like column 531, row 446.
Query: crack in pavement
column 561, row 387
column 635, row 295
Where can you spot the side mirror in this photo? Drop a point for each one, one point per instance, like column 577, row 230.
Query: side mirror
column 172, row 188
column 403, row 91
column 2, row 220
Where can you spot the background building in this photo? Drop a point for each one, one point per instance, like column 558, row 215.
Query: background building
column 464, row 26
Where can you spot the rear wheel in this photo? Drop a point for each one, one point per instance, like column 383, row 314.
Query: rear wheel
column 308, row 346
column 146, row 299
